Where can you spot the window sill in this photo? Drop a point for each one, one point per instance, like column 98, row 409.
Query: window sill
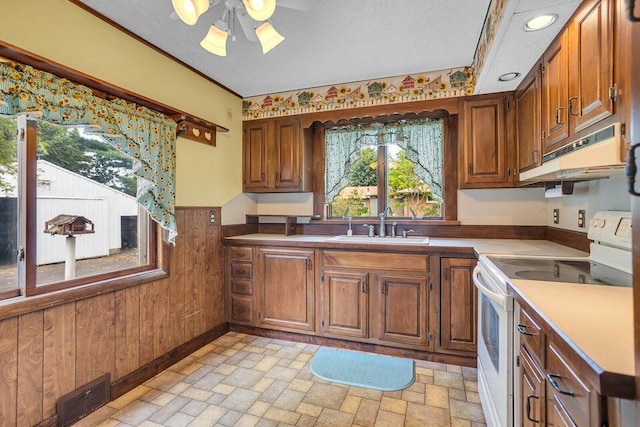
column 388, row 220
column 21, row 305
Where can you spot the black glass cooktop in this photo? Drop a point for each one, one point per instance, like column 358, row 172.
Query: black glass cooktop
column 571, row 271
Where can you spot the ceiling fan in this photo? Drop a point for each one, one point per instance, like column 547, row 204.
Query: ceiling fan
column 252, row 15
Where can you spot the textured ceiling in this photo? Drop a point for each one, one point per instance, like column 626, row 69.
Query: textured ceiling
column 342, row 41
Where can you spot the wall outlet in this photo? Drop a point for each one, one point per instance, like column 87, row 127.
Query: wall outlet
column 556, row 216
column 582, row 215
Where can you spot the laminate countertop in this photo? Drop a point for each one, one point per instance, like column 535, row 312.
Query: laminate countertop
column 413, row 244
column 596, row 321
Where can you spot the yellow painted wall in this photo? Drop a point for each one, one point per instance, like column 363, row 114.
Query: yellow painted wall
column 64, row 33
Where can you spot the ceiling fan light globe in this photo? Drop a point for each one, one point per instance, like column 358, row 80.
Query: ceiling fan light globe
column 260, row 10
column 268, row 36
column 215, row 41
column 190, row 10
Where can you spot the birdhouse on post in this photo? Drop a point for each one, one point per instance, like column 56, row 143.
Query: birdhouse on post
column 69, row 225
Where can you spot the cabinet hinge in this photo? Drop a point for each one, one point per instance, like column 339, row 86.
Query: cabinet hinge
column 544, row 135
column 446, row 274
column 518, row 361
column 430, row 286
column 613, row 92
column 21, row 134
column 258, row 315
column 429, row 336
column 507, row 106
column 623, row 129
column 383, row 288
column 322, row 323
column 322, row 277
column 309, row 264
column 543, row 69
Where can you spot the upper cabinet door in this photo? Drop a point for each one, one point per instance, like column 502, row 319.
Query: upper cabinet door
column 483, row 152
column 287, row 156
column 555, row 95
column 256, row 136
column 528, row 121
column 591, row 40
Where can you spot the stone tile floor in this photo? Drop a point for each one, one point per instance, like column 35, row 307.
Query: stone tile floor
column 244, row 380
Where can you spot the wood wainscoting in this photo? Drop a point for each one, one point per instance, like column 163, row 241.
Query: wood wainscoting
column 129, row 333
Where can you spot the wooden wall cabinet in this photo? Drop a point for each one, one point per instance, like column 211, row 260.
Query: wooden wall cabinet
column 528, row 121
column 286, row 289
column 577, row 75
column 485, row 142
column 276, row 156
column 458, row 307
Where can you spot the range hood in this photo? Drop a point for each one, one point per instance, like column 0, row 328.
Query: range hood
column 592, row 157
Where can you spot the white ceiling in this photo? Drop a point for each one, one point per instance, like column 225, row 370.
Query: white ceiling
column 342, row 41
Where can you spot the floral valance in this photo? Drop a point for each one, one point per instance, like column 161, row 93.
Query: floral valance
column 146, row 136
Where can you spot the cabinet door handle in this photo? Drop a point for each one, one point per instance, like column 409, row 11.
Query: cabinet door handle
column 556, row 387
column 631, row 170
column 571, row 112
column 558, row 122
column 521, row 330
column 470, row 169
column 277, row 176
column 529, row 408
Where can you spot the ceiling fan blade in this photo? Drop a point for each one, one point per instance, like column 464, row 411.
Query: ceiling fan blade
column 247, row 24
column 301, row 5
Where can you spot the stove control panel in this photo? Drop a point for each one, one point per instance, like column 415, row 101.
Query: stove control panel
column 611, row 228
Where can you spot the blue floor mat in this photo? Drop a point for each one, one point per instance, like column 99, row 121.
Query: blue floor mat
column 362, row 369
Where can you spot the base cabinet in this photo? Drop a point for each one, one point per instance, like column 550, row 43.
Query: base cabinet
column 346, row 304
column 403, row 309
column 551, row 390
column 458, row 308
column 286, row 289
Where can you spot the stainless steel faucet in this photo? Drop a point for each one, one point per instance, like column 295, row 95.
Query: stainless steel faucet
column 383, row 215
column 371, row 232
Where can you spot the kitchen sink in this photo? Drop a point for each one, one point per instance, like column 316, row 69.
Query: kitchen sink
column 411, row 240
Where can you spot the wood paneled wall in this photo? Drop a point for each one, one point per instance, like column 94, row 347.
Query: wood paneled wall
column 48, row 353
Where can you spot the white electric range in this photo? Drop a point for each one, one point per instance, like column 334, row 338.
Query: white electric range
column 609, row 263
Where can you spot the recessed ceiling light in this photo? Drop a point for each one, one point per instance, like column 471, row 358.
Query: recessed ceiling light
column 507, row 77
column 540, row 22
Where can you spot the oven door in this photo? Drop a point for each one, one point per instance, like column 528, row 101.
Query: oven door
column 495, row 349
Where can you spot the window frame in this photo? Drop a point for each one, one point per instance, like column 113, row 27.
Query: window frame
column 449, row 208
column 157, row 250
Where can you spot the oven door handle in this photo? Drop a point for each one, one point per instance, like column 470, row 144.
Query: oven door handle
column 486, row 290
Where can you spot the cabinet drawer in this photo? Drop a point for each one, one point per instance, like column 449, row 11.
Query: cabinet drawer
column 241, row 253
column 531, row 336
column 241, row 309
column 243, row 270
column 564, row 386
column 376, row 260
column 242, row 286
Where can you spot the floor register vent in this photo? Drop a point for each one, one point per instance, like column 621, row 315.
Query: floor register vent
column 81, row 402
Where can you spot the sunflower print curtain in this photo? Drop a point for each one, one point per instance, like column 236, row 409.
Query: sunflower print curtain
column 146, row 136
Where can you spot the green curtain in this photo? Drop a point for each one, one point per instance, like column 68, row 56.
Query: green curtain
column 421, row 139
column 146, row 136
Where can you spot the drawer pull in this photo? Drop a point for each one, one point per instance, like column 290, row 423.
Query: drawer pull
column 238, row 255
column 529, row 408
column 521, row 330
column 556, row 387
